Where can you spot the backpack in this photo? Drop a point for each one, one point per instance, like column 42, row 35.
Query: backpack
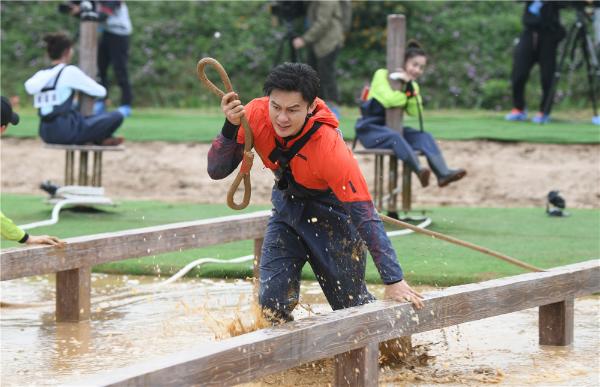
column 346, row 7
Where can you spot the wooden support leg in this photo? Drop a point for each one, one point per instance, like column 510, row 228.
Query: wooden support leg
column 556, row 323
column 70, row 167
column 256, row 265
column 406, row 187
column 359, row 367
column 392, row 185
column 97, row 169
column 73, row 294
column 83, row 166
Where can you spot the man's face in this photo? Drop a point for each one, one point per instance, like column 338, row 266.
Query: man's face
column 287, row 111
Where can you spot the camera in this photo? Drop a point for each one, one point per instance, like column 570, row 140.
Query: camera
column 288, row 10
column 85, row 10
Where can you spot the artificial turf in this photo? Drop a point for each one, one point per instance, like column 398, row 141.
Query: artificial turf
column 201, row 125
column 527, row 234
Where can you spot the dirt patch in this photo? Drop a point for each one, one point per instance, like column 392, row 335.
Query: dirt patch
column 499, row 174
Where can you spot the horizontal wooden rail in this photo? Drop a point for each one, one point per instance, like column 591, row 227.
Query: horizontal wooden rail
column 87, row 251
column 250, row 356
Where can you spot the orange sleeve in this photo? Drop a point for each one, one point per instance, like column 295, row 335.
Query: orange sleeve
column 337, row 165
column 254, row 109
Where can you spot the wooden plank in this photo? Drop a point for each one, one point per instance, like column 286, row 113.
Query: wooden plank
column 556, row 323
column 396, row 41
column 253, row 355
column 359, row 367
column 90, row 148
column 100, row 248
column 73, row 294
column 373, row 152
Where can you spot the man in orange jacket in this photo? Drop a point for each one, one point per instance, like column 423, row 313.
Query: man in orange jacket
column 322, row 211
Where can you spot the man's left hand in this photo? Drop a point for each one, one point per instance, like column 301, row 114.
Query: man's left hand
column 401, row 291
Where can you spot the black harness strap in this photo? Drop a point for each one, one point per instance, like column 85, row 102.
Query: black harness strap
column 282, row 157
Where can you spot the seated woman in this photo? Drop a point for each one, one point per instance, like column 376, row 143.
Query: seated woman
column 54, row 88
column 372, row 131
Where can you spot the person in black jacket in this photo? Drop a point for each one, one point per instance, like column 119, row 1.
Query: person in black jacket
column 538, row 43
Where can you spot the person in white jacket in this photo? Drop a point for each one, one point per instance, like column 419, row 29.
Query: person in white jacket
column 54, row 89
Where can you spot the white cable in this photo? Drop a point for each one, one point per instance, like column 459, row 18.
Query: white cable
column 60, row 204
column 426, row 222
column 202, row 261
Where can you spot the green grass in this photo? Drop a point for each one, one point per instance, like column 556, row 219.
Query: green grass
column 201, row 125
column 523, row 233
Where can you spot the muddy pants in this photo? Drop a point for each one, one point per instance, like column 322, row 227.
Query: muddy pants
column 305, row 230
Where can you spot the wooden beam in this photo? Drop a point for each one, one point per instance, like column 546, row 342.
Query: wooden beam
column 253, row 355
column 556, row 323
column 73, row 295
column 357, row 368
column 100, row 248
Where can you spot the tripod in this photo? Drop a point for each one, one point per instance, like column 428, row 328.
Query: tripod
column 578, row 34
column 287, row 40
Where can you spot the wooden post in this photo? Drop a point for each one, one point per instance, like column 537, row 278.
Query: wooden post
column 258, row 242
column 396, row 42
column 359, row 367
column 88, row 62
column 73, row 294
column 556, row 323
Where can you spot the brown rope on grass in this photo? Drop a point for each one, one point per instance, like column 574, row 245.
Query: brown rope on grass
column 469, row 245
column 244, row 172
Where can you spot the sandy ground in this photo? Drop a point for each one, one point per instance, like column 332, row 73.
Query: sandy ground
column 499, row 174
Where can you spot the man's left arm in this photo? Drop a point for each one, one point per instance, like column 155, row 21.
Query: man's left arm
column 349, row 185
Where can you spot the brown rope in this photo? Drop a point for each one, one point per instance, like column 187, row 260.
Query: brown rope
column 244, row 172
column 469, row 245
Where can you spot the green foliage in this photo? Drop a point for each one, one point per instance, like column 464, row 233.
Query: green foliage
column 469, row 45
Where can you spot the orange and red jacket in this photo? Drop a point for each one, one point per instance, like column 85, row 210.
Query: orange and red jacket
column 324, row 163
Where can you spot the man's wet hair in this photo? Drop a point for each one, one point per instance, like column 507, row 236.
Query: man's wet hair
column 57, row 43
column 293, row 77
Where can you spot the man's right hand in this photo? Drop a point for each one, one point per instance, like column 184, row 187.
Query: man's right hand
column 232, row 108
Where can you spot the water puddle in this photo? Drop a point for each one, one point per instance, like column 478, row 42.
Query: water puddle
column 133, row 320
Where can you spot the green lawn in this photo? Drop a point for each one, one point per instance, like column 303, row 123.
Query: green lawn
column 524, row 233
column 188, row 125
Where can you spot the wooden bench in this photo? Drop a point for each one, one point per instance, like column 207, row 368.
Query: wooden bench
column 83, row 178
column 391, row 192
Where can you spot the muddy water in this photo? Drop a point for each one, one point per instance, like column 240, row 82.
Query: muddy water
column 133, row 319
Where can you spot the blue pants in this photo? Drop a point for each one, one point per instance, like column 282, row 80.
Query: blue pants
column 73, row 128
column 306, row 230
column 383, row 137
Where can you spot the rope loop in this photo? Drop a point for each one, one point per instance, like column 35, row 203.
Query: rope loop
column 244, row 172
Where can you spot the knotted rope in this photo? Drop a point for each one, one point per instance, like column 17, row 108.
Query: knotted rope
column 244, row 172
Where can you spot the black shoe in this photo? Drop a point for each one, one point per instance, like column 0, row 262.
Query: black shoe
column 423, row 176
column 49, row 187
column 454, row 175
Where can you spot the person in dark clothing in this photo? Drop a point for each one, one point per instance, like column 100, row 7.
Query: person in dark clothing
column 324, row 40
column 538, row 43
column 54, row 90
column 372, row 132
column 322, row 211
column 114, row 49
